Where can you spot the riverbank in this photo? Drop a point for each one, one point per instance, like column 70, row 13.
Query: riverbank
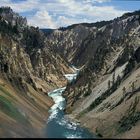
column 58, row 124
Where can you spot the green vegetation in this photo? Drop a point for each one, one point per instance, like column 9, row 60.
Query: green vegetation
column 2, row 89
column 130, row 66
column 96, row 24
column 133, row 87
column 131, row 118
column 101, row 98
column 87, row 90
column 81, row 114
column 113, row 78
column 8, row 28
column 8, row 108
column 128, row 51
column 5, row 9
column 87, row 94
column 124, row 90
column 126, row 96
column 130, row 14
column 127, row 122
column 98, row 134
column 109, row 84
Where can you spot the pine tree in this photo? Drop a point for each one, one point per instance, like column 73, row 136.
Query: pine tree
column 109, row 84
column 118, row 80
column 113, row 78
column 133, row 86
column 124, row 90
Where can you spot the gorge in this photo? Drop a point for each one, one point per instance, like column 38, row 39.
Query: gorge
column 58, row 125
column 42, row 96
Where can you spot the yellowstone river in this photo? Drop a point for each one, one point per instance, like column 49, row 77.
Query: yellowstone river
column 58, row 125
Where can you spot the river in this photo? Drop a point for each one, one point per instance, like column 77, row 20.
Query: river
column 58, row 125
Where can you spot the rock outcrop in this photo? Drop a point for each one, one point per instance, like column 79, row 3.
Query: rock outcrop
column 105, row 95
column 29, row 69
column 108, row 55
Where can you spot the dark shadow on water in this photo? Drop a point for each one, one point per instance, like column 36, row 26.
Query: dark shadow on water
column 60, row 127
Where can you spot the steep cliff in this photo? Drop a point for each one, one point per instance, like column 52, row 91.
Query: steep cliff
column 29, row 69
column 105, row 96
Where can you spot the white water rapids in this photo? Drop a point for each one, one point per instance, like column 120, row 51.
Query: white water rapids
column 58, row 126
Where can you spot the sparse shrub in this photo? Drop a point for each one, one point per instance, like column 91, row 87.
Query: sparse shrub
column 124, row 90
column 109, row 84
column 133, row 86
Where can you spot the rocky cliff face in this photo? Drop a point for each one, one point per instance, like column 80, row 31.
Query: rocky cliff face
column 105, row 95
column 25, row 53
column 10, row 17
column 29, row 69
column 108, row 55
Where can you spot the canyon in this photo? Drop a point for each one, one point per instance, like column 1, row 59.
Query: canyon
column 104, row 97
